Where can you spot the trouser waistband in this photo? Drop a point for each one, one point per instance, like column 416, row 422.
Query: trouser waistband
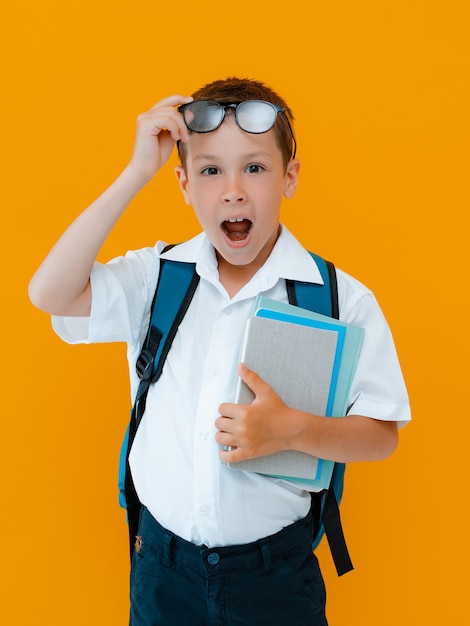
column 174, row 549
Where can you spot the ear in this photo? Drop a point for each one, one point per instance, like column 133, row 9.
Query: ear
column 183, row 183
column 291, row 179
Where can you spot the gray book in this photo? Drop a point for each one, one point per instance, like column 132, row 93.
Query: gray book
column 298, row 362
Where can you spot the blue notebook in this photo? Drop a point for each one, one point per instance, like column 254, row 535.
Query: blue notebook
column 309, row 360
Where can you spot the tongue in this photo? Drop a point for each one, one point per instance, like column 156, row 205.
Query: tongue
column 237, row 231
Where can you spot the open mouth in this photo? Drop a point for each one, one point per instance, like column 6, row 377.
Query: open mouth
column 237, row 229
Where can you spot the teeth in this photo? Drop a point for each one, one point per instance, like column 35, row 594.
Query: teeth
column 236, row 219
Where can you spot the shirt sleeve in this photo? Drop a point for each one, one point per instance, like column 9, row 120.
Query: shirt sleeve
column 121, row 296
column 378, row 389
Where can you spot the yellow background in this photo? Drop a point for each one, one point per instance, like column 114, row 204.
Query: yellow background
column 380, row 94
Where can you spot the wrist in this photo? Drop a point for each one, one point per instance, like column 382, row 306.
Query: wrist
column 136, row 175
column 303, row 433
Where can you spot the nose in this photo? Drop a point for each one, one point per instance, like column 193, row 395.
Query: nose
column 233, row 191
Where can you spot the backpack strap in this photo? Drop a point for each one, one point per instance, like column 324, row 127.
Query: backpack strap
column 316, row 297
column 324, row 299
column 177, row 283
column 334, row 530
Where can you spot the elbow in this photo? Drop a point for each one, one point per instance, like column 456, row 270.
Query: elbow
column 44, row 296
column 55, row 299
column 37, row 295
column 377, row 439
column 388, row 442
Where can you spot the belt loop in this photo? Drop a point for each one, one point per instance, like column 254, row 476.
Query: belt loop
column 266, row 564
column 166, row 549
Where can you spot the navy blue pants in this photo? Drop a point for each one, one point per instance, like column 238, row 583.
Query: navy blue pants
column 275, row 581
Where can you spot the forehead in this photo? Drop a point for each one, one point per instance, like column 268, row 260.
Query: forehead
column 230, row 141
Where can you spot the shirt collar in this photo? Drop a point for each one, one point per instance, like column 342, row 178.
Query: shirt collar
column 289, row 259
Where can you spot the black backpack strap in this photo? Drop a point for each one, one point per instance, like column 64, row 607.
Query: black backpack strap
column 175, row 289
column 333, row 289
column 334, row 533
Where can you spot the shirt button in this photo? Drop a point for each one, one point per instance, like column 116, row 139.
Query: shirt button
column 213, row 558
column 205, row 510
column 228, row 310
column 204, row 434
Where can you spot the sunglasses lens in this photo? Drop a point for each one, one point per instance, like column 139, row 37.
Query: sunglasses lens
column 203, row 116
column 254, row 116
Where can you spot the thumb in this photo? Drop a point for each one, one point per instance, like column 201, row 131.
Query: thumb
column 257, row 385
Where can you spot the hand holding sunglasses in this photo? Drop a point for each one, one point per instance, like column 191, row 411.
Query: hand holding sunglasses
column 157, row 131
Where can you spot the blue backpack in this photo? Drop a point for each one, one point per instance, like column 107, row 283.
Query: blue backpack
column 176, row 286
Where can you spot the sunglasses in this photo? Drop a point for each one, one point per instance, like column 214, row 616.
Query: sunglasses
column 252, row 116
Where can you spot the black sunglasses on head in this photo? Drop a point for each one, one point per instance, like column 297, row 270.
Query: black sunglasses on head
column 252, row 116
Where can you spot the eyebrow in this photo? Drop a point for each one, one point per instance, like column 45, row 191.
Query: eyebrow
column 205, row 157
column 246, row 157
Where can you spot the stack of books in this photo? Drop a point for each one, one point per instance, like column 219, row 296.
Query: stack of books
column 309, row 360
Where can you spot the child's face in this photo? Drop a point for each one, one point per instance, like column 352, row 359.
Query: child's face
column 235, row 182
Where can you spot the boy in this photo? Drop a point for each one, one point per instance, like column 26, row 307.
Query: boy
column 217, row 546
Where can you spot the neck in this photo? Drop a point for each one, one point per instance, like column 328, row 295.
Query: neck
column 234, row 277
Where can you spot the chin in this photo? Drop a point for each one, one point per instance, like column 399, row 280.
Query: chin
column 241, row 258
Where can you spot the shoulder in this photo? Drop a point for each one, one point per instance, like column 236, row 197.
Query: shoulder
column 139, row 266
column 142, row 257
column 355, row 298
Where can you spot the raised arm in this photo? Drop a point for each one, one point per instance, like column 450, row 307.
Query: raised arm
column 61, row 285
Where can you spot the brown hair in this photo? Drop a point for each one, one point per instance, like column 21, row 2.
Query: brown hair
column 234, row 90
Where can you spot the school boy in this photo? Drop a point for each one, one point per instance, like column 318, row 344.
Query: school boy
column 219, row 546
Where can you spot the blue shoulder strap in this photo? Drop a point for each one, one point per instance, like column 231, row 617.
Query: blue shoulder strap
column 321, row 298
column 175, row 289
column 177, row 283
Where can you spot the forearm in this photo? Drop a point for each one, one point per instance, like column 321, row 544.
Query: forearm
column 268, row 425
column 345, row 440
column 63, row 277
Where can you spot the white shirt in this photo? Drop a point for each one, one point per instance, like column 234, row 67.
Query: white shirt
column 174, row 459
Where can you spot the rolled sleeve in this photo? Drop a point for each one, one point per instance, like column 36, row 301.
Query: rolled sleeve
column 378, row 389
column 121, row 294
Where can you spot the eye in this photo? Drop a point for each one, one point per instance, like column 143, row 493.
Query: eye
column 210, row 171
column 254, row 168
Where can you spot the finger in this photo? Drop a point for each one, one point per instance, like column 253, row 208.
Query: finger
column 180, row 132
column 172, row 101
column 227, row 410
column 165, row 116
column 226, row 440
column 154, row 122
column 231, row 454
column 225, row 424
